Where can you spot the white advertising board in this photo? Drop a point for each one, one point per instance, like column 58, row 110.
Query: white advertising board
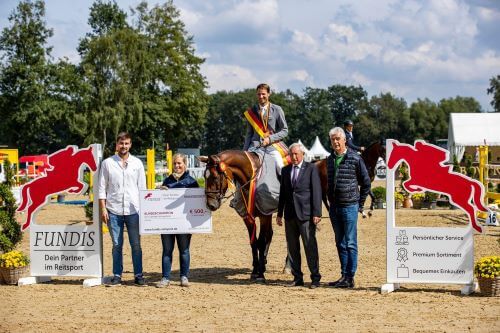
column 174, row 211
column 65, row 250
column 438, row 255
column 425, row 254
column 62, row 250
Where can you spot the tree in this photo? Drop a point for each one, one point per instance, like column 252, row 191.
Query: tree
column 226, row 126
column 459, row 104
column 387, row 117
column 312, row 117
column 429, row 121
column 68, row 97
column 25, row 81
column 346, row 102
column 106, row 53
column 175, row 89
column 494, row 90
column 144, row 78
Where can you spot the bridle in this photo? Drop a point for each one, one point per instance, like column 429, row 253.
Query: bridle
column 221, row 169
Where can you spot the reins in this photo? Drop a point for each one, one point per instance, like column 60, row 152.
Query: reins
column 248, row 202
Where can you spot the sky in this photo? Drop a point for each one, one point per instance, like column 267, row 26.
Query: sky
column 413, row 49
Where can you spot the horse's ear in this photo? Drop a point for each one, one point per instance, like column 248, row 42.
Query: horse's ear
column 203, row 159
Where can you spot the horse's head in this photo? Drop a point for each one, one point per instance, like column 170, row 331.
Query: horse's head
column 382, row 149
column 216, row 180
column 374, row 151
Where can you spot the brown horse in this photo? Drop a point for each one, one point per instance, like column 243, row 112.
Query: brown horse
column 370, row 156
column 234, row 166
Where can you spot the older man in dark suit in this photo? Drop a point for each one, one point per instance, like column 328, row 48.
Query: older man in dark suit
column 300, row 201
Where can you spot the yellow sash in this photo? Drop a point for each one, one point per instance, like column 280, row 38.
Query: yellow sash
column 258, row 126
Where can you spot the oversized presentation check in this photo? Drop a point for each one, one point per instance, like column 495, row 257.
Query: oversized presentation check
column 174, row 211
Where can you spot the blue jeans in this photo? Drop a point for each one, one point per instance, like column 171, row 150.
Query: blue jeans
column 116, row 226
column 344, row 221
column 168, row 242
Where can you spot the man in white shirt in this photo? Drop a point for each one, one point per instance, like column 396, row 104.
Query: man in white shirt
column 121, row 177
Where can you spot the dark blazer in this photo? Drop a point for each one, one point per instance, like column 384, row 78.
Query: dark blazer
column 304, row 201
column 350, row 141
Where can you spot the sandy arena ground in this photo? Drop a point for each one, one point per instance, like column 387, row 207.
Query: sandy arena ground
column 221, row 297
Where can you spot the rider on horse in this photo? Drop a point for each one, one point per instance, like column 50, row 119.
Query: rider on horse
column 266, row 128
column 348, row 126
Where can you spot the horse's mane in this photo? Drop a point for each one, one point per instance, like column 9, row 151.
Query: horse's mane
column 380, row 142
column 238, row 161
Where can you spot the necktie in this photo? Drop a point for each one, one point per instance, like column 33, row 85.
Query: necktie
column 295, row 174
column 263, row 112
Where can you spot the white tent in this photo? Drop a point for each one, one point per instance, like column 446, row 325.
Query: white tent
column 317, row 151
column 307, row 155
column 472, row 129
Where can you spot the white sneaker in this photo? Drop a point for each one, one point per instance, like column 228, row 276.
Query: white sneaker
column 184, row 281
column 164, row 282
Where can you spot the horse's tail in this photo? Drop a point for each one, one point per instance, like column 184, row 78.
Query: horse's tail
column 24, row 198
column 478, row 196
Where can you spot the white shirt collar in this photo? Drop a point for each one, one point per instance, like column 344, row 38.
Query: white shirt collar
column 300, row 164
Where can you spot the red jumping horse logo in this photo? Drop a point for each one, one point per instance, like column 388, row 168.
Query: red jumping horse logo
column 429, row 173
column 63, row 175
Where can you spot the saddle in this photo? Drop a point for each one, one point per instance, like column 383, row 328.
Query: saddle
column 266, row 187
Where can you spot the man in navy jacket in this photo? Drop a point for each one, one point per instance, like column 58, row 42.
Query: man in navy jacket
column 348, row 186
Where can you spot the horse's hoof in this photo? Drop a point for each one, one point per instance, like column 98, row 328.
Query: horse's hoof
column 363, row 215
column 370, row 214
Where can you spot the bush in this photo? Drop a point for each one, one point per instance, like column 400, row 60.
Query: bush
column 399, row 197
column 14, row 259
column 418, row 197
column 379, row 193
column 10, row 230
column 488, row 267
column 431, row 196
column 89, row 210
column 86, row 180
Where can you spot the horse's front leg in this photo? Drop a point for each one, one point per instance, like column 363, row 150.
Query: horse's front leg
column 288, row 265
column 372, row 203
column 263, row 244
column 251, row 227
